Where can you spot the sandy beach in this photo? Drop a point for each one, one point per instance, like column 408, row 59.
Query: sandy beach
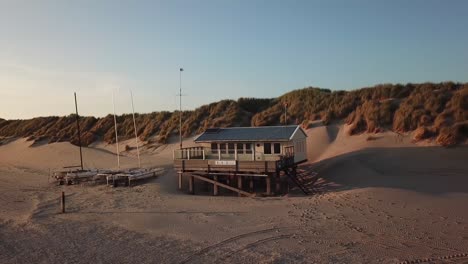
column 378, row 200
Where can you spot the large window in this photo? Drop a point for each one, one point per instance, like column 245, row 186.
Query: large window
column 231, row 149
column 248, row 148
column 214, row 148
column 240, row 148
column 277, row 148
column 222, row 148
column 267, row 148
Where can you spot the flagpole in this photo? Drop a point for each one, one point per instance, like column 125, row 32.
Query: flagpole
column 136, row 134
column 180, row 106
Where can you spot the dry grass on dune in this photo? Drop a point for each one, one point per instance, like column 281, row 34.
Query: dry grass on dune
column 441, row 109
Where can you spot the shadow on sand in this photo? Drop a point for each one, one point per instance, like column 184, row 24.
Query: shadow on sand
column 434, row 170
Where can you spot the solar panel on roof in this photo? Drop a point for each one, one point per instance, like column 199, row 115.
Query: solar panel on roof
column 212, row 130
column 272, row 133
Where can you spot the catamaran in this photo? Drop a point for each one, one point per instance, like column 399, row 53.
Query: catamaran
column 129, row 175
column 76, row 174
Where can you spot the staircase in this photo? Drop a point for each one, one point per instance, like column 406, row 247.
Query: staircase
column 304, row 179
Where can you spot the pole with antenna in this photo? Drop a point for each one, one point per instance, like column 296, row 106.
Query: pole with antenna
column 180, row 106
column 136, row 133
column 79, row 132
column 116, row 134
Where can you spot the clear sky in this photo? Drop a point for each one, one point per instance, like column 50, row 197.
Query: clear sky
column 228, row 48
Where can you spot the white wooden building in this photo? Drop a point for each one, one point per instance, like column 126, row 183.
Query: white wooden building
column 267, row 143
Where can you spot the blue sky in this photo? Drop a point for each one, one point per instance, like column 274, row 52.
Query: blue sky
column 229, row 49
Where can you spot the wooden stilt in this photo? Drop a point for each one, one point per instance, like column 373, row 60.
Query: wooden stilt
column 203, row 178
column 239, row 183
column 268, row 185
column 278, row 183
column 215, row 187
column 191, row 185
column 251, row 184
column 180, row 181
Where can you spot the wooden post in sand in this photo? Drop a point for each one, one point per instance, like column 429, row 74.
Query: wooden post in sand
column 63, row 202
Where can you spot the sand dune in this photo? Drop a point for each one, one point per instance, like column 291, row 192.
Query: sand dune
column 385, row 200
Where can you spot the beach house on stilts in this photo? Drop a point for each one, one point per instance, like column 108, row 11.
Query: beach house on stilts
column 241, row 158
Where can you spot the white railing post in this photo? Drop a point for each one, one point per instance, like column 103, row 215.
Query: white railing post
column 253, row 152
column 219, row 154
column 188, row 154
column 203, row 151
column 235, row 152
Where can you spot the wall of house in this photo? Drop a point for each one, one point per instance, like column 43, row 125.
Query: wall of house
column 300, row 146
column 258, row 150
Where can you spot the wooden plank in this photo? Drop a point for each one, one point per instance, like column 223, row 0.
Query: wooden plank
column 232, row 173
column 255, row 166
column 223, row 185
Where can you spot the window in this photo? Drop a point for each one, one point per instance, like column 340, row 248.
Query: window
column 240, row 148
column 222, row 148
column 277, row 148
column 231, row 148
column 267, row 148
column 214, row 148
column 248, row 148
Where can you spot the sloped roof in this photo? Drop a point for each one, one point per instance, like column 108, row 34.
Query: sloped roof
column 266, row 133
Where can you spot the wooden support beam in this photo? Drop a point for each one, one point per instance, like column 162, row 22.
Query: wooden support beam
column 215, row 187
column 191, row 184
column 268, row 185
column 239, row 183
column 231, row 174
column 251, row 184
column 180, row 181
column 278, row 183
column 222, row 185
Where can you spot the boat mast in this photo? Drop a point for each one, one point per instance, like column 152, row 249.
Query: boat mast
column 79, row 132
column 116, row 135
column 136, row 133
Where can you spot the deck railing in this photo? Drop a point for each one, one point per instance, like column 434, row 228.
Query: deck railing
column 202, row 153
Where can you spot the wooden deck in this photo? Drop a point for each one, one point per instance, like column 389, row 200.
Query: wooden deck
column 228, row 166
column 232, row 174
